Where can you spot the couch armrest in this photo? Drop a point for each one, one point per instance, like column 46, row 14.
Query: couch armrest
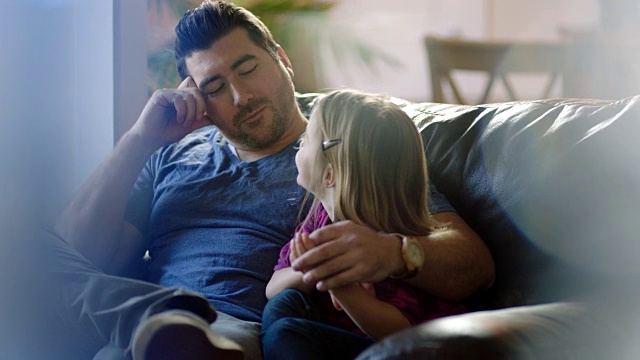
column 549, row 331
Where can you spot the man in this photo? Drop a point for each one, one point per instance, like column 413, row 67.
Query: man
column 213, row 206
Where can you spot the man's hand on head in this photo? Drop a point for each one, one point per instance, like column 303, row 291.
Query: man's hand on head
column 346, row 252
column 170, row 114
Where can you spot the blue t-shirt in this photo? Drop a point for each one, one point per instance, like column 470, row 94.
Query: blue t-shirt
column 215, row 224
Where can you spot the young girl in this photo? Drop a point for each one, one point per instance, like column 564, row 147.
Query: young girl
column 362, row 158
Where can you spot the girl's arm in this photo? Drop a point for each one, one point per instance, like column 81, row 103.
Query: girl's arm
column 360, row 304
column 286, row 278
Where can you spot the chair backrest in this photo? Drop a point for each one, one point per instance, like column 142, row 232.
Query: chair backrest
column 497, row 59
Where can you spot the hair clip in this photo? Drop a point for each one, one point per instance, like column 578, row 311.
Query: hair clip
column 326, row 145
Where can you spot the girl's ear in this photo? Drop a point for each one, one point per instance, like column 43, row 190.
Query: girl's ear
column 328, row 178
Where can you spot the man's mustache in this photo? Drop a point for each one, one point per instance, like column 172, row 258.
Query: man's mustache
column 248, row 109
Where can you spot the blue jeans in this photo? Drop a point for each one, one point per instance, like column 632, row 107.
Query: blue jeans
column 292, row 328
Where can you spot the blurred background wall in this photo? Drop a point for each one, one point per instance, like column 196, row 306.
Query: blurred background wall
column 377, row 45
column 400, row 28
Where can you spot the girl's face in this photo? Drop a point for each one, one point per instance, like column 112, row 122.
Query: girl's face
column 306, row 157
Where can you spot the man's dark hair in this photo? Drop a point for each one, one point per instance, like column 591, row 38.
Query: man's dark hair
column 199, row 28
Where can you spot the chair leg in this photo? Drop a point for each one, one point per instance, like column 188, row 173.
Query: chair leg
column 455, row 90
column 507, row 85
column 487, row 89
column 552, row 81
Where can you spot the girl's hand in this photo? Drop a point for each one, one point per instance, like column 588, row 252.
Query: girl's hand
column 300, row 244
column 346, row 252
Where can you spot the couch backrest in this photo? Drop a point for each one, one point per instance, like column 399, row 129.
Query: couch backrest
column 553, row 188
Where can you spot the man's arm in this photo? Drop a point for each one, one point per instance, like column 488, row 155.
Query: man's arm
column 457, row 262
column 93, row 222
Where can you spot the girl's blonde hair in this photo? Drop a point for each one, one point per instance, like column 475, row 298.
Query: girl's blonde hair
column 378, row 162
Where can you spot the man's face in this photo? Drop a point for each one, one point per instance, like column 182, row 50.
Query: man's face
column 249, row 95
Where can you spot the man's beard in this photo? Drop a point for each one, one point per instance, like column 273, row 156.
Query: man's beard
column 279, row 123
column 281, row 111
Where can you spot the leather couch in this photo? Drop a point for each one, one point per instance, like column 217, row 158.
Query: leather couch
column 553, row 188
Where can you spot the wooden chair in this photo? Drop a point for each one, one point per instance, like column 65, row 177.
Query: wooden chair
column 497, row 59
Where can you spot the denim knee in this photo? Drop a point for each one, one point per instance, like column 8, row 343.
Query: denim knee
column 289, row 303
column 293, row 332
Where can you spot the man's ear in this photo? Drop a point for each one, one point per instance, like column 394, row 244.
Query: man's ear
column 328, row 178
column 285, row 61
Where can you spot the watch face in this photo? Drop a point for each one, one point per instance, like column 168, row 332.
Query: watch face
column 414, row 254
